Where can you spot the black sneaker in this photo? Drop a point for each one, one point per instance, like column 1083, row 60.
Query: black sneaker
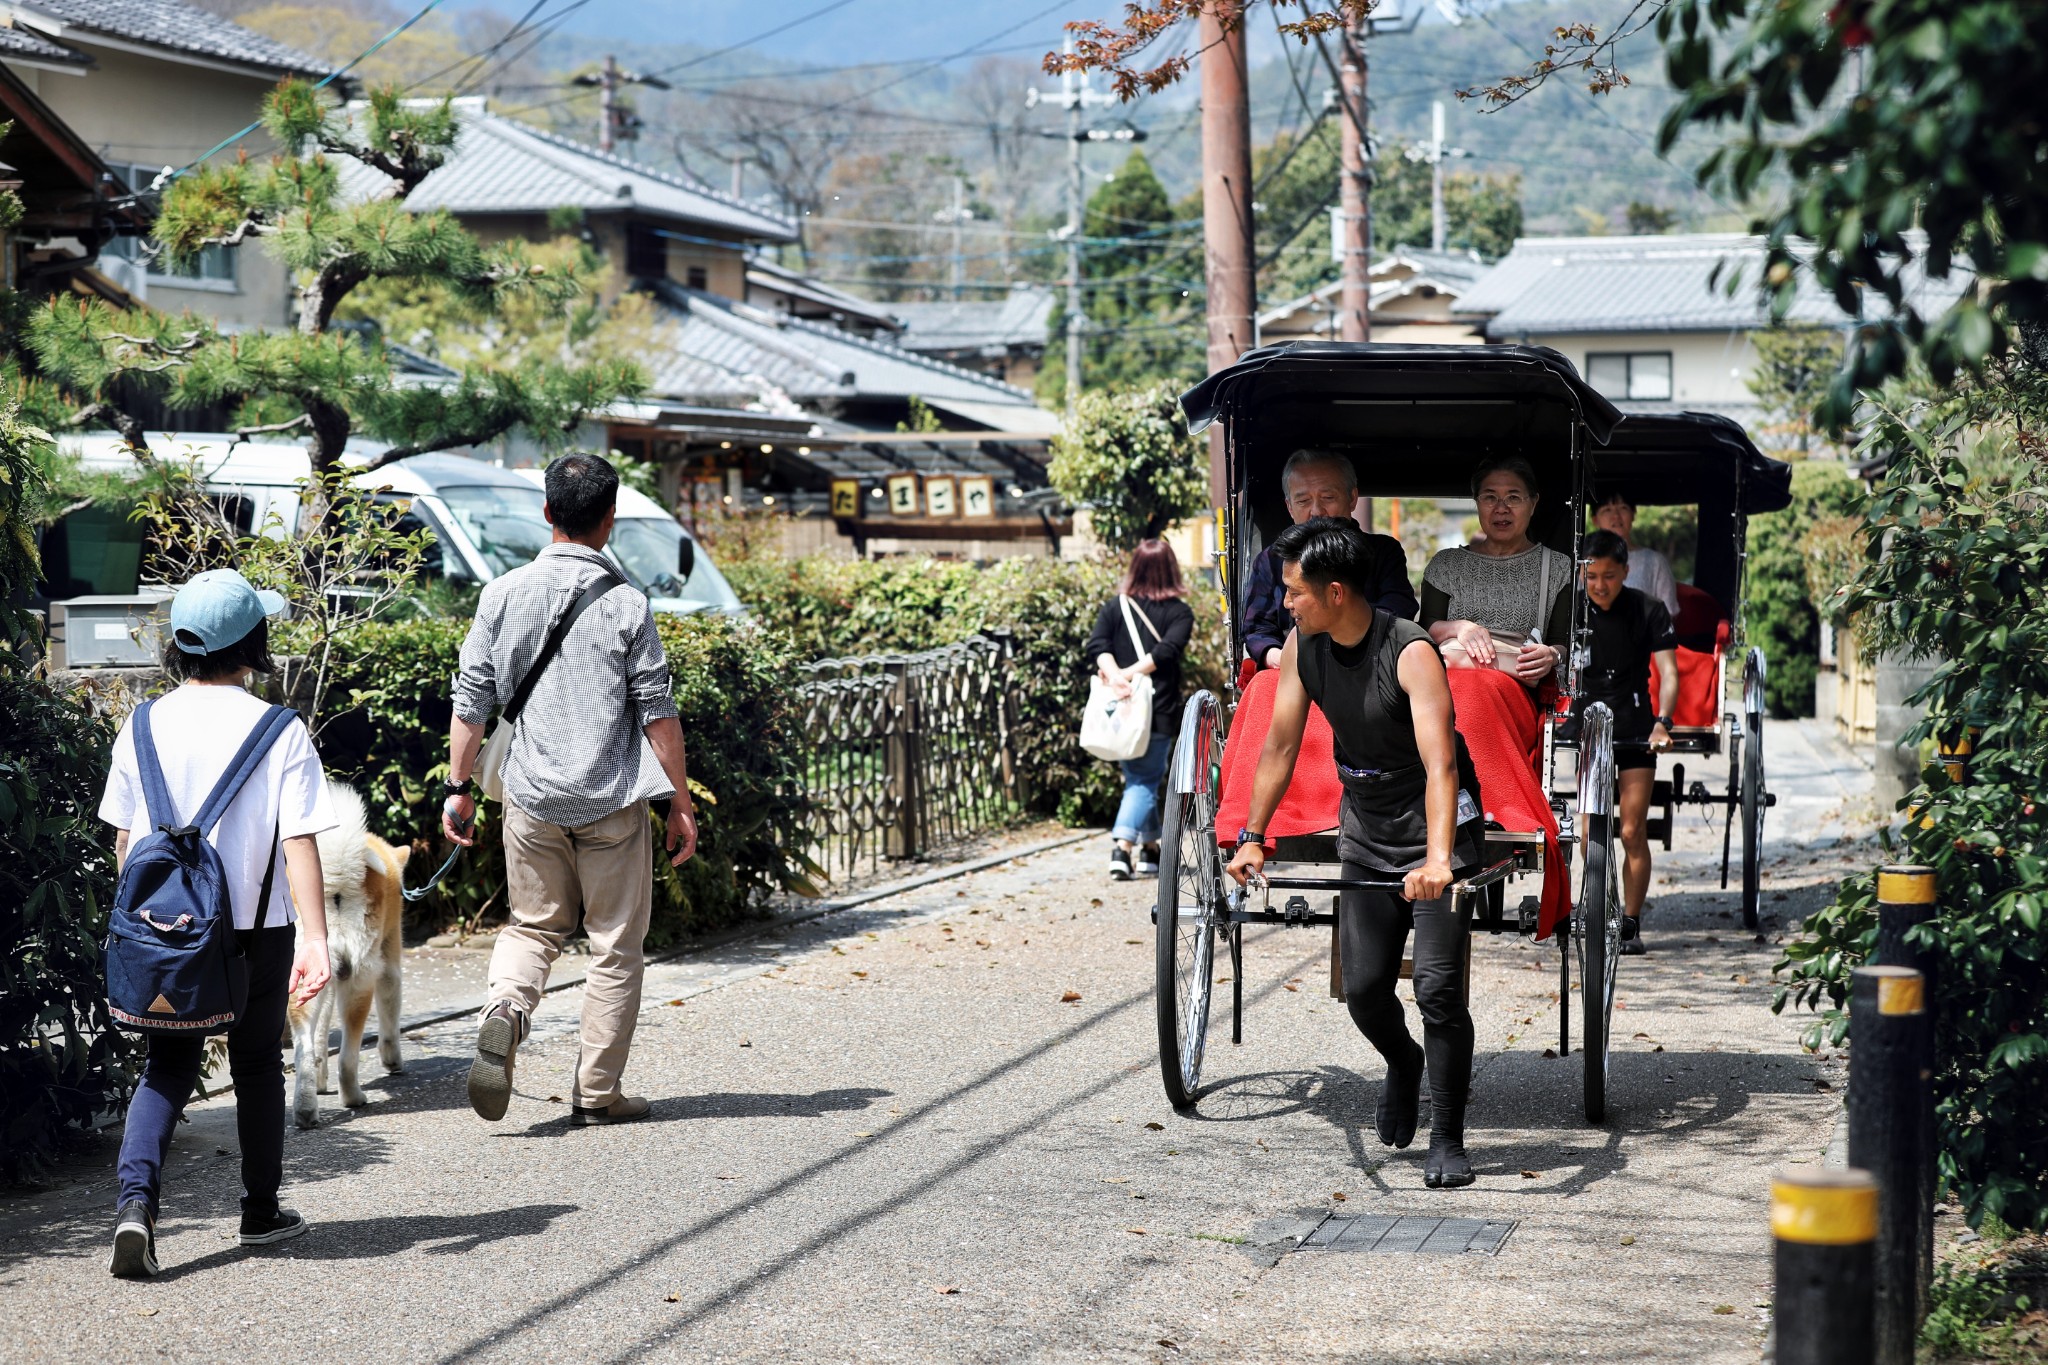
column 1119, row 864
column 261, row 1229
column 490, row 1075
column 134, row 1243
column 1148, row 861
column 1632, row 944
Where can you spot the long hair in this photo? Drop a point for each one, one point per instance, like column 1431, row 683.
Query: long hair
column 251, row 653
column 1154, row 573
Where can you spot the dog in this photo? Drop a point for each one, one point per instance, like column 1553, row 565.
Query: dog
column 364, row 877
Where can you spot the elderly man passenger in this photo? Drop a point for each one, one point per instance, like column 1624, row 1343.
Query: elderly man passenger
column 1319, row 483
column 1504, row 601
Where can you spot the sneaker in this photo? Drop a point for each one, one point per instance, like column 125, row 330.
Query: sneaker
column 624, row 1109
column 1119, row 864
column 1148, row 861
column 261, row 1229
column 134, row 1243
column 1632, row 944
column 490, row 1075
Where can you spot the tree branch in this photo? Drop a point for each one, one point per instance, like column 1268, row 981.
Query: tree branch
column 244, row 433
column 131, row 430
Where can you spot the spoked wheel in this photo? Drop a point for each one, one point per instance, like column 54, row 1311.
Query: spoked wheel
column 1751, row 798
column 1189, row 917
column 1596, row 916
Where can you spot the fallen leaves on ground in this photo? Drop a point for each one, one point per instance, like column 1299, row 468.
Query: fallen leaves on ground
column 1095, row 902
column 1116, row 1180
column 1294, row 985
column 862, row 975
column 1724, row 1308
column 1070, row 997
column 1134, row 940
column 1169, row 1343
column 1628, row 1241
column 554, row 1099
column 1156, row 1127
column 145, row 1312
column 746, row 1042
column 1550, row 1053
column 675, row 1002
column 1819, row 1084
column 1337, row 1195
column 671, row 1298
column 1531, row 1175
column 945, row 1289
column 1135, row 1232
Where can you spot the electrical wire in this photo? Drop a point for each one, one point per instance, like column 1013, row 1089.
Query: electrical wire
column 555, row 22
column 797, row 22
column 508, row 36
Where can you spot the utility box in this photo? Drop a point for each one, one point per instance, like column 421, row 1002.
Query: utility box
column 110, row 632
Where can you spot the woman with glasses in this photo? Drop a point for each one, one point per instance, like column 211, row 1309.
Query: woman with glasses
column 1504, row 601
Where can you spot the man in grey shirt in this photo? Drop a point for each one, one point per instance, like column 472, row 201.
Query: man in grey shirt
column 597, row 738
column 1648, row 570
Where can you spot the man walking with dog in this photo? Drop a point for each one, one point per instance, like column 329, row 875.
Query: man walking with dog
column 569, row 649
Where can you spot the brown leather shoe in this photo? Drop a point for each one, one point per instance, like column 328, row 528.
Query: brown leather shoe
column 624, row 1109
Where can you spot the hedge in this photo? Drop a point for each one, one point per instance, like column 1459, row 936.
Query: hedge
column 735, row 691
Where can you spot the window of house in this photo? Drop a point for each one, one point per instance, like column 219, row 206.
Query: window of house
column 646, row 252
column 1644, row 375
column 697, row 277
column 213, row 267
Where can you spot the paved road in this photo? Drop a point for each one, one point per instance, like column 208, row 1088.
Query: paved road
column 885, row 1135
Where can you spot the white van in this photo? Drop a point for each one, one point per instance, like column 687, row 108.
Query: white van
column 659, row 556
column 485, row 520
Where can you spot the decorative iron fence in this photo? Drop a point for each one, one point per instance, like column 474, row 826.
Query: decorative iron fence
column 910, row 752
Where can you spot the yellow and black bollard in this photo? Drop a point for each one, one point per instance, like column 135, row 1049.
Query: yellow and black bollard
column 1887, row 1024
column 1905, row 898
column 1824, row 1223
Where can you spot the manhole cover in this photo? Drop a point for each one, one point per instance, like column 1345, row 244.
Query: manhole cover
column 1391, row 1233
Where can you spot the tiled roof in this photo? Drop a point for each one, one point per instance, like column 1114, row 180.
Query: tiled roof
column 717, row 351
column 1396, row 275
column 503, row 166
column 1551, row 285
column 1018, row 319
column 33, row 47
column 171, row 24
column 774, row 279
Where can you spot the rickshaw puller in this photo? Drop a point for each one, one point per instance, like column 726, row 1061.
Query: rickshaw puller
column 1629, row 627
column 1410, row 812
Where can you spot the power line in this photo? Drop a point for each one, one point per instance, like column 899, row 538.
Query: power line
column 555, row 22
column 484, row 55
column 797, row 22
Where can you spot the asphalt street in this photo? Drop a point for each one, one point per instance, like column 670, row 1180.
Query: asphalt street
column 932, row 1128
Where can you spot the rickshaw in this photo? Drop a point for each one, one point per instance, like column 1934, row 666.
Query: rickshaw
column 1707, row 461
column 1414, row 421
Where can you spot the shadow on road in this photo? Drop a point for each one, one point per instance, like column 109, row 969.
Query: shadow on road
column 362, row 1239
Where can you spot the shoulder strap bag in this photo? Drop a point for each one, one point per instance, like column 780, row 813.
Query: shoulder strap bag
column 1120, row 728
column 490, row 764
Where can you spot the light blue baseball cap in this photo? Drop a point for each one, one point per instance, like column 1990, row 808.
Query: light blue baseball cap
column 218, row 608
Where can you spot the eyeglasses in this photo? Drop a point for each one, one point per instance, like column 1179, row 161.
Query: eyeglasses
column 1514, row 502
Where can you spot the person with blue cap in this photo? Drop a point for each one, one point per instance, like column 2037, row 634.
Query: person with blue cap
column 219, row 636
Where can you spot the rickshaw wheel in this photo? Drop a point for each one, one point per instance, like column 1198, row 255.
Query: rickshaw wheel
column 1752, row 788
column 1189, row 917
column 1597, row 915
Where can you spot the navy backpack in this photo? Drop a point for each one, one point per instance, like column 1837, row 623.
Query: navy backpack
column 174, row 963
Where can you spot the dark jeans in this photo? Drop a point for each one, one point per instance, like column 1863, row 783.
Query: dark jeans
column 1373, row 927
column 255, row 1062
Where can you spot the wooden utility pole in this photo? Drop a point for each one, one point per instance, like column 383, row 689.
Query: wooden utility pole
column 1354, row 189
column 1226, row 200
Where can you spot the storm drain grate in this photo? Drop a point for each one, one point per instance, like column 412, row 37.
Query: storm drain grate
column 1411, row 1234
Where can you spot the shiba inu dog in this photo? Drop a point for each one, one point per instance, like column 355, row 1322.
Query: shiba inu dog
column 363, row 875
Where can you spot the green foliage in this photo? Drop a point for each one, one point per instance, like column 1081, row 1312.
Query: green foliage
column 1129, row 459
column 1886, row 116
column 734, row 691
column 1674, row 532
column 1779, row 612
column 1794, row 366
column 1647, row 219
column 21, row 481
column 1983, row 1301
column 1956, row 570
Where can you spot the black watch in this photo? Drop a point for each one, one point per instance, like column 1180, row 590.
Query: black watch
column 1664, row 721
column 1250, row 836
column 453, row 788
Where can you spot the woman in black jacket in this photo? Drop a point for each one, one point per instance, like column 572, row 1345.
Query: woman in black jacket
column 1156, row 592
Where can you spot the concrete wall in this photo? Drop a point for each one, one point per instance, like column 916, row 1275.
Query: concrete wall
column 155, row 111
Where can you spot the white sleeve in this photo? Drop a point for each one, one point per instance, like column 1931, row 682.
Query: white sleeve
column 122, row 806
column 302, row 803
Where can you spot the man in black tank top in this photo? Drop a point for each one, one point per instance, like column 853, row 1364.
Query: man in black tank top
column 1411, row 813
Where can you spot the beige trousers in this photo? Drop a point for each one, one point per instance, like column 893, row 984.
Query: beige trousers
column 604, row 869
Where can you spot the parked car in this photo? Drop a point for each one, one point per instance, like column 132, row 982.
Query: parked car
column 661, row 558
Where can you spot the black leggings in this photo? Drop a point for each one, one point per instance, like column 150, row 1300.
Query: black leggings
column 1372, row 929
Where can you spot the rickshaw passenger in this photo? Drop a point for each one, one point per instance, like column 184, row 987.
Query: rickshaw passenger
column 1410, row 813
column 1319, row 483
column 1629, row 628
column 1648, row 570
column 1503, row 602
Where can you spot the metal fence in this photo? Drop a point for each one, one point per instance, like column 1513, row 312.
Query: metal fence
column 909, row 752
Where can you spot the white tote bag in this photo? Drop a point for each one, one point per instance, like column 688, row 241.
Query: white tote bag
column 1120, row 728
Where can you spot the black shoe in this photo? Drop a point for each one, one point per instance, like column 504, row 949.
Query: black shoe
column 261, row 1229
column 1632, row 944
column 134, row 1243
column 1119, row 864
column 1446, row 1167
column 1400, row 1102
column 490, row 1075
column 1148, row 861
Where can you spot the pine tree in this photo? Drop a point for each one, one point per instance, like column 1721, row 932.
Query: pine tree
column 319, row 379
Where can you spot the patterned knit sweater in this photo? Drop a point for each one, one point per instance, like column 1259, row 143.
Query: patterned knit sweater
column 1499, row 591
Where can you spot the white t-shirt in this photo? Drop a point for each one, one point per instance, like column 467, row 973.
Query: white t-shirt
column 197, row 731
column 1650, row 572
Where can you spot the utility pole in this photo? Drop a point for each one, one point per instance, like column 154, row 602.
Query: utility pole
column 739, row 177
column 1073, row 95
column 1436, row 154
column 1227, row 225
column 958, row 215
column 1354, row 190
column 616, row 123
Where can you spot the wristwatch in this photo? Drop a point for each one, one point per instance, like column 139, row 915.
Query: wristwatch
column 1250, row 836
column 1664, row 721
column 453, row 788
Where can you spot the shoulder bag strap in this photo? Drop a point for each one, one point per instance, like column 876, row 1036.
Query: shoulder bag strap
column 604, row 584
column 156, row 793
column 1131, row 618
column 244, row 764
column 269, row 874
column 1542, row 593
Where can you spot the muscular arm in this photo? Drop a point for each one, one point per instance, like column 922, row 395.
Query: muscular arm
column 1276, row 759
column 1429, row 701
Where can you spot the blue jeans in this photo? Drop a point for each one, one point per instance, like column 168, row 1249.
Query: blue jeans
column 255, row 1063
column 1137, row 819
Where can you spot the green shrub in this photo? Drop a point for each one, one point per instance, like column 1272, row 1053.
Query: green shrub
column 734, row 686
column 1127, row 456
column 1779, row 612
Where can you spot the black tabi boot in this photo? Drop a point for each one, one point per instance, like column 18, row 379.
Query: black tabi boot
column 1401, row 1099
column 1446, row 1167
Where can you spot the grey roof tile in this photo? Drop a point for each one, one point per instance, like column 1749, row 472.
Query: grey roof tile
column 1017, row 319
column 172, row 24
column 31, row 46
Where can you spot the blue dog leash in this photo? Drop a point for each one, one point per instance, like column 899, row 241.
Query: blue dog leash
column 440, row 873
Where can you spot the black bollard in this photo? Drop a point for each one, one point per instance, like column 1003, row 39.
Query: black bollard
column 1905, row 897
column 1824, row 1224
column 1887, row 1019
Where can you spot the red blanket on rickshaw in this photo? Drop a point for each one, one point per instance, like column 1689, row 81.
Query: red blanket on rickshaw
column 1502, row 731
